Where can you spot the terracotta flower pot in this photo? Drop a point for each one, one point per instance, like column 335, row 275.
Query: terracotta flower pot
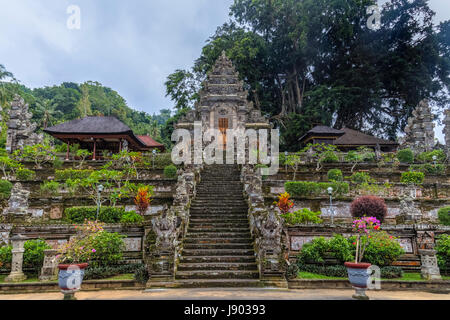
column 70, row 276
column 358, row 274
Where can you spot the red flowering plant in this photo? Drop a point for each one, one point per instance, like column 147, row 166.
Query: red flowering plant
column 143, row 199
column 283, row 203
column 80, row 249
column 364, row 229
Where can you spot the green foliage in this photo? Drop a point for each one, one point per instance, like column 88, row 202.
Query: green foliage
column 309, row 188
column 388, row 272
column 336, row 247
column 106, row 214
column 33, row 256
column 428, row 156
column 412, row 177
column 37, row 153
column 443, row 252
column 382, row 249
column 50, row 188
column 361, row 177
column 25, row 174
column 57, row 163
column 62, row 175
column 141, row 274
column 341, row 248
column 329, row 157
column 161, row 160
column 170, row 172
column 444, row 215
column 108, row 249
column 429, row 168
column 335, row 175
column 131, row 217
column 92, row 273
column 302, row 216
column 8, row 166
column 405, row 156
column 5, row 189
column 5, row 255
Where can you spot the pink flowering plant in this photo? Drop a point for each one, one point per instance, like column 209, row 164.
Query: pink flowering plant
column 80, row 248
column 364, row 228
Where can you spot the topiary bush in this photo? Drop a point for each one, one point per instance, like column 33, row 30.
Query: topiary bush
column 108, row 249
column 369, row 206
column 361, row 177
column 444, row 216
column 405, row 156
column 302, row 216
column 335, row 175
column 62, row 175
column 170, row 172
column 33, row 256
column 382, row 249
column 25, row 174
column 329, row 157
column 412, row 177
column 5, row 189
column 106, row 214
column 309, row 188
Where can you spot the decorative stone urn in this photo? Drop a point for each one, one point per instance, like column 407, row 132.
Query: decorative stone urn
column 70, row 278
column 358, row 276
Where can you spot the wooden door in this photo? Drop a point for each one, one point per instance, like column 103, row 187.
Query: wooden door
column 223, row 126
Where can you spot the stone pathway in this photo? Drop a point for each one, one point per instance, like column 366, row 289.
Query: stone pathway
column 229, row 294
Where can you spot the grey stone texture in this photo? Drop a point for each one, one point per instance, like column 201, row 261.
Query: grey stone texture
column 420, row 129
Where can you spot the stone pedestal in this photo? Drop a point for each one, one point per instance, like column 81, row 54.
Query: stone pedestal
column 360, row 294
column 429, row 265
column 17, row 274
column 49, row 271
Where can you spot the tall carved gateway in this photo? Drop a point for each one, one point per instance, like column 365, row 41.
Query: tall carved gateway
column 223, row 102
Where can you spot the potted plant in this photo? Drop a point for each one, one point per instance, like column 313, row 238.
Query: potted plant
column 358, row 273
column 73, row 258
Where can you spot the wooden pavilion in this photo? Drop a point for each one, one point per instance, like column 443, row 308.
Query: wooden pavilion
column 99, row 133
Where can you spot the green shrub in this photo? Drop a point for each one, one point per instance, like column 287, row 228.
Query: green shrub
column 106, row 214
column 428, row 156
column 5, row 255
column 361, row 177
column 141, row 274
column 131, row 217
column 443, row 252
column 170, row 172
column 335, row 175
column 302, row 216
column 309, row 188
column 108, row 249
column 389, row 272
column 162, row 160
column 341, row 248
column 412, row 177
column 50, row 188
column 314, row 251
column 25, row 174
column 5, row 189
column 444, row 216
column 33, row 256
column 329, row 157
column 382, row 249
column 437, row 169
column 92, row 273
column 62, row 175
column 57, row 163
column 405, row 156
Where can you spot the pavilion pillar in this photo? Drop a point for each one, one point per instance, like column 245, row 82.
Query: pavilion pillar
column 95, row 149
column 120, row 145
column 68, row 150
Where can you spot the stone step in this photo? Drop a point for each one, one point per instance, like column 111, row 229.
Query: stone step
column 217, row 252
column 218, row 266
column 218, row 207
column 208, row 235
column 217, row 274
column 219, row 230
column 218, row 240
column 218, row 224
column 214, row 246
column 206, row 219
column 219, row 283
column 218, row 259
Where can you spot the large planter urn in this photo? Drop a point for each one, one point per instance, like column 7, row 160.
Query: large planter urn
column 358, row 275
column 70, row 277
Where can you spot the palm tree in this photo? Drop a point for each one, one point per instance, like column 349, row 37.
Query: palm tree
column 47, row 109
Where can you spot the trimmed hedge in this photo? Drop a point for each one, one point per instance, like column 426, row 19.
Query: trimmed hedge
column 92, row 273
column 335, row 175
column 412, row 177
column 309, row 188
column 444, row 215
column 389, row 272
column 405, row 156
column 170, row 172
column 62, row 175
column 106, row 214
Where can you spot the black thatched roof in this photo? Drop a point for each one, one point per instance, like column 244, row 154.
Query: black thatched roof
column 326, row 130
column 91, row 125
column 353, row 137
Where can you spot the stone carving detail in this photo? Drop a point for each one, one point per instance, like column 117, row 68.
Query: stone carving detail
column 49, row 269
column 408, row 211
column 420, row 129
column 17, row 274
column 429, row 265
column 18, row 201
column 425, row 240
column 20, row 128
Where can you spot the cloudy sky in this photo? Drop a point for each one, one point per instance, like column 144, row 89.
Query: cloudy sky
column 130, row 46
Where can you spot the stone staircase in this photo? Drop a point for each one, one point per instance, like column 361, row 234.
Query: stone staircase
column 218, row 248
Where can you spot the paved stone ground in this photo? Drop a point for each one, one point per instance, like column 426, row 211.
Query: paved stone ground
column 230, row 294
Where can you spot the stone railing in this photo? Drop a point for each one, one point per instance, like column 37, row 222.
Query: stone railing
column 266, row 230
column 164, row 236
